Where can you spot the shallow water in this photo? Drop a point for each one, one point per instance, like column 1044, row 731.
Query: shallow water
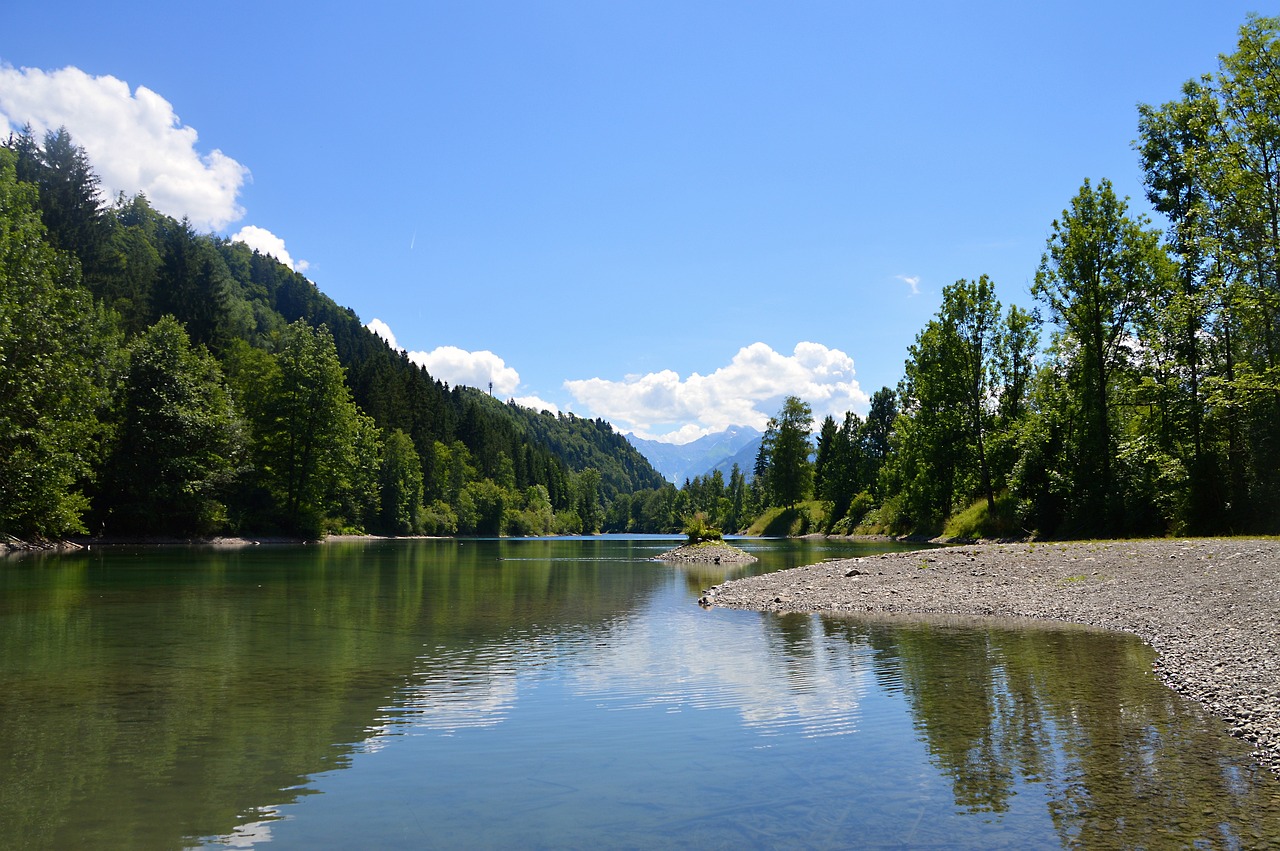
column 570, row 693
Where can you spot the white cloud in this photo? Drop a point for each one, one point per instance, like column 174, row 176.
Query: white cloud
column 134, row 140
column 266, row 242
column 748, row 391
column 474, row 369
column 536, row 404
column 912, row 281
column 458, row 366
column 383, row 330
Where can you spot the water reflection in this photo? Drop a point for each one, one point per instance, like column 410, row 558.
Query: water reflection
column 149, row 699
column 1123, row 760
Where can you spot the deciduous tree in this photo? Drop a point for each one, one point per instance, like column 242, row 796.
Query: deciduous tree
column 57, row 352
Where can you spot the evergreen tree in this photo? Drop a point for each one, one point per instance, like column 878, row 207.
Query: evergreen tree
column 875, row 433
column 824, row 471
column 790, row 474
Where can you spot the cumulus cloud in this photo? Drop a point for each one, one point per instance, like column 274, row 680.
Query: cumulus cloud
column 536, row 404
column 133, row 138
column 458, row 366
column 266, row 242
column 474, row 369
column 912, row 281
column 748, row 391
column 384, row 331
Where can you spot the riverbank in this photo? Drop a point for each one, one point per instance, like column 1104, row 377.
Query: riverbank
column 1209, row 607
column 16, row 546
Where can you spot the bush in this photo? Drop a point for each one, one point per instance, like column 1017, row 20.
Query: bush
column 698, row 529
column 855, row 520
column 438, row 519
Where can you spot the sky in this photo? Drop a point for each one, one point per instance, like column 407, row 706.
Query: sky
column 669, row 215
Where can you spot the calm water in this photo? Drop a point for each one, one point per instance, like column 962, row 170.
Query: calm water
column 569, row 694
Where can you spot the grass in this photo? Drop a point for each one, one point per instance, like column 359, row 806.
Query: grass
column 978, row 521
column 804, row 518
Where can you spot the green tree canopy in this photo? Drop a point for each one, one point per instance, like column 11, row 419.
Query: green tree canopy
column 180, row 440
column 1101, row 270
column 56, row 355
column 790, row 474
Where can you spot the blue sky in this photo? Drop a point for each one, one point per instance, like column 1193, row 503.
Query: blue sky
column 666, row 214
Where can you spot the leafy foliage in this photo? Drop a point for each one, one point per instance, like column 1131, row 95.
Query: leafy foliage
column 180, row 440
column 56, row 352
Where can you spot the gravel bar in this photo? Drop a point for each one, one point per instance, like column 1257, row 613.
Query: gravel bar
column 707, row 553
column 1209, row 607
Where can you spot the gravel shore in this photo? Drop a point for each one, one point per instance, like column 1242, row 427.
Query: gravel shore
column 1210, row 607
column 709, row 552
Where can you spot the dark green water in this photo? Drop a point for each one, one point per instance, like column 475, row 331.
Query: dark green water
column 569, row 694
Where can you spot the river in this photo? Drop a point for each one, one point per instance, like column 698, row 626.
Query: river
column 570, row 693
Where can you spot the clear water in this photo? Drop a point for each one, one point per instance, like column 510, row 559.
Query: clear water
column 570, row 694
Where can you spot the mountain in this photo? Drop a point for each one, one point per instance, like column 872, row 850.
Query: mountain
column 684, row 461
column 745, row 458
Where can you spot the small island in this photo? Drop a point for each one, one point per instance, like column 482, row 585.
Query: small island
column 708, row 552
column 704, row 544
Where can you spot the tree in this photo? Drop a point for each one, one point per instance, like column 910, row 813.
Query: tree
column 1100, row 271
column 874, row 434
column 179, row 442
column 790, row 475
column 972, row 311
column 736, row 516
column 824, row 470
column 400, row 483
column 848, row 476
column 306, row 430
column 1212, row 166
column 588, row 501
column 70, row 198
column 932, row 444
column 193, row 285
column 57, row 351
column 1016, row 347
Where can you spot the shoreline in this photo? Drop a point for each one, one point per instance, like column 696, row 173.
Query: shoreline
column 72, row 544
column 1209, row 607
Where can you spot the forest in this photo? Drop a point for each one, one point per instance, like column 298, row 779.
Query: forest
column 159, row 382
column 155, row 381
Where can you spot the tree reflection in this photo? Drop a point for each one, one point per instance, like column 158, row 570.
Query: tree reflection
column 1122, row 758
column 150, row 698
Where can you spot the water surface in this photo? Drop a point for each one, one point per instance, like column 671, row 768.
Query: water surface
column 570, row 693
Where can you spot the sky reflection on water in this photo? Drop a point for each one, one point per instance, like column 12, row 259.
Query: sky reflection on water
column 569, row 694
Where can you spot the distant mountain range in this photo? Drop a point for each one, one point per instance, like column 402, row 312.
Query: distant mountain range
column 716, row 451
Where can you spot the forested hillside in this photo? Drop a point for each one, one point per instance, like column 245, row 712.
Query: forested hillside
column 158, row 381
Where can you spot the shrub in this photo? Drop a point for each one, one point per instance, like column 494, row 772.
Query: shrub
column 698, row 529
